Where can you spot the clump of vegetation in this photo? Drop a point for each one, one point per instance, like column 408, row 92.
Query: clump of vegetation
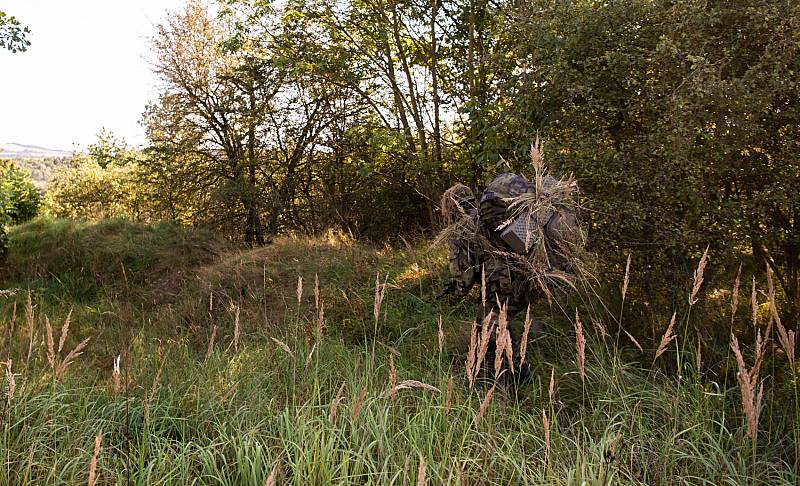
column 298, row 367
column 19, row 199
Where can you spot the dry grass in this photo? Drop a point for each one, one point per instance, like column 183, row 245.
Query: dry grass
column 410, row 385
column 546, row 423
column 785, row 338
column 484, row 406
column 421, row 479
column 667, row 338
column 93, row 476
column 503, row 343
column 392, row 377
column 273, row 475
column 626, row 280
column 440, row 335
column 116, row 385
column 236, row 328
column 11, row 383
column 580, row 346
column 380, row 292
column 60, row 366
column 698, row 277
column 285, row 347
column 487, row 329
column 299, row 291
column 526, row 329
column 153, row 389
column 359, row 403
column 211, row 339
column 335, row 404
column 735, row 293
column 29, row 321
column 751, row 402
column 472, row 354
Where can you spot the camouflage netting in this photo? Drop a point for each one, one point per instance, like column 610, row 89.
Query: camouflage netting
column 556, row 257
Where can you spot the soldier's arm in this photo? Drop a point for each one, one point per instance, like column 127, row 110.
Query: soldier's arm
column 462, row 263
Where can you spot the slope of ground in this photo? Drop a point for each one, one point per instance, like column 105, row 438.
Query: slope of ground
column 234, row 367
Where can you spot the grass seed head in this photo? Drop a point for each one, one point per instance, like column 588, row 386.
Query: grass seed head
column 626, row 280
column 236, row 328
column 299, row 291
column 666, row 338
column 698, row 277
column 421, row 479
column 440, row 335
column 735, row 293
column 93, row 463
column 472, row 353
column 64, row 331
column 273, row 475
column 411, row 385
column 523, row 345
column 484, row 406
column 283, row 346
column 51, row 351
column 546, row 423
column 11, row 381
column 392, row 377
column 359, row 403
column 751, row 402
column 68, row 360
column 116, row 385
column 335, row 404
column 580, row 346
column 211, row 339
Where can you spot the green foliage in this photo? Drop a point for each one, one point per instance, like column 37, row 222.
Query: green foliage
column 679, row 121
column 19, row 199
column 106, row 182
column 13, row 36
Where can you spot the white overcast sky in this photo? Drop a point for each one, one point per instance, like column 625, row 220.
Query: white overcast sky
column 86, row 69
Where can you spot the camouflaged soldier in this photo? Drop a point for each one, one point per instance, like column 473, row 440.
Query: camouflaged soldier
column 468, row 260
column 485, row 238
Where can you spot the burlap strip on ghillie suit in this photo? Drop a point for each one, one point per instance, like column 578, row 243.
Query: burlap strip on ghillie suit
column 546, row 205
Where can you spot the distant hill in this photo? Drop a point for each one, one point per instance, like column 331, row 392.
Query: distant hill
column 22, row 151
column 41, row 162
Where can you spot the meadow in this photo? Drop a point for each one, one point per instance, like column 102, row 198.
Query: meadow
column 139, row 354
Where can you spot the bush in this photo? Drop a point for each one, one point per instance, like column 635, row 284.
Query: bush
column 19, row 200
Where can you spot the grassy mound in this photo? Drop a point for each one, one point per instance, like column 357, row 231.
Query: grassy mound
column 243, row 373
column 84, row 257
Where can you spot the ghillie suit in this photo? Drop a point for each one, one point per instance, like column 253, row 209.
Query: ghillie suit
column 520, row 241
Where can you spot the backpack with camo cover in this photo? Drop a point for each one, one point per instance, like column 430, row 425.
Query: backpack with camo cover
column 516, row 216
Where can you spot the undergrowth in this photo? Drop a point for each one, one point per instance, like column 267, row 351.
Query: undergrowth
column 232, row 371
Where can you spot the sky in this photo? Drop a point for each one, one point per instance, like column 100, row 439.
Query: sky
column 87, row 68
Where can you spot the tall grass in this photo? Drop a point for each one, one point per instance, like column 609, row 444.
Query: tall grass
column 363, row 399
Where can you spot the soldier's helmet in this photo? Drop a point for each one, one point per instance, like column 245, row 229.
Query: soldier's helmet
column 457, row 202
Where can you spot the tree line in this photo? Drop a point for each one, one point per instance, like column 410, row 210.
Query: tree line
column 679, row 118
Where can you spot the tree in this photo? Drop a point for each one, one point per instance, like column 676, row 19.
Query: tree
column 19, row 199
column 211, row 109
column 680, row 121
column 13, row 36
